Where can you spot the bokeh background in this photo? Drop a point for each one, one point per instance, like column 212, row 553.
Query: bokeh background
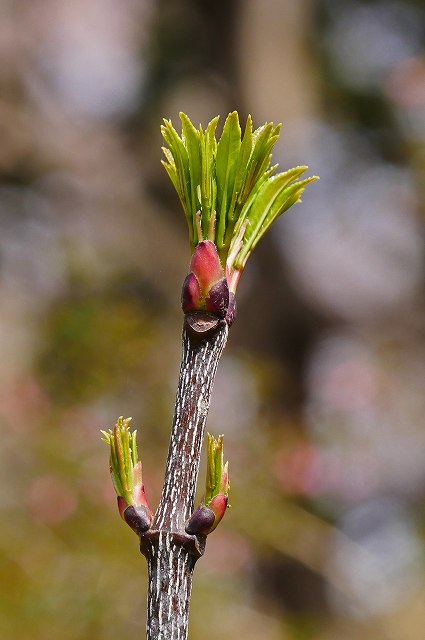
column 320, row 392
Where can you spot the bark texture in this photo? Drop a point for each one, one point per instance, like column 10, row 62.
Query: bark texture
column 170, row 551
column 170, row 584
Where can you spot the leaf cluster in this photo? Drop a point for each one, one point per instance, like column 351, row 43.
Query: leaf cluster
column 230, row 182
column 123, row 458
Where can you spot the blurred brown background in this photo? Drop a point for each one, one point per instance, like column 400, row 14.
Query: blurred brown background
column 320, row 393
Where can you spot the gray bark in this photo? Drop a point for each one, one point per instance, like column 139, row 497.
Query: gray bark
column 170, row 551
column 170, row 583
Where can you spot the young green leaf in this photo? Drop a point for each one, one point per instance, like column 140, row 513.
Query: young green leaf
column 226, row 161
column 193, row 146
column 208, row 182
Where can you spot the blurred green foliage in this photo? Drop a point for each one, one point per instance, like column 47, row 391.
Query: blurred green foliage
column 94, row 342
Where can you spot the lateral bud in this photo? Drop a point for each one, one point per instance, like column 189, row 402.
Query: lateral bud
column 213, row 506
column 126, row 474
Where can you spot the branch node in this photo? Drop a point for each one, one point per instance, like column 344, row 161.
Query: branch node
column 194, row 545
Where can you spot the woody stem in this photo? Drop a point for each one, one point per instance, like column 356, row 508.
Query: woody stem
column 170, row 551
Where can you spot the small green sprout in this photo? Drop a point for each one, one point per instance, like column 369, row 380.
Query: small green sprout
column 126, row 474
column 215, row 501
